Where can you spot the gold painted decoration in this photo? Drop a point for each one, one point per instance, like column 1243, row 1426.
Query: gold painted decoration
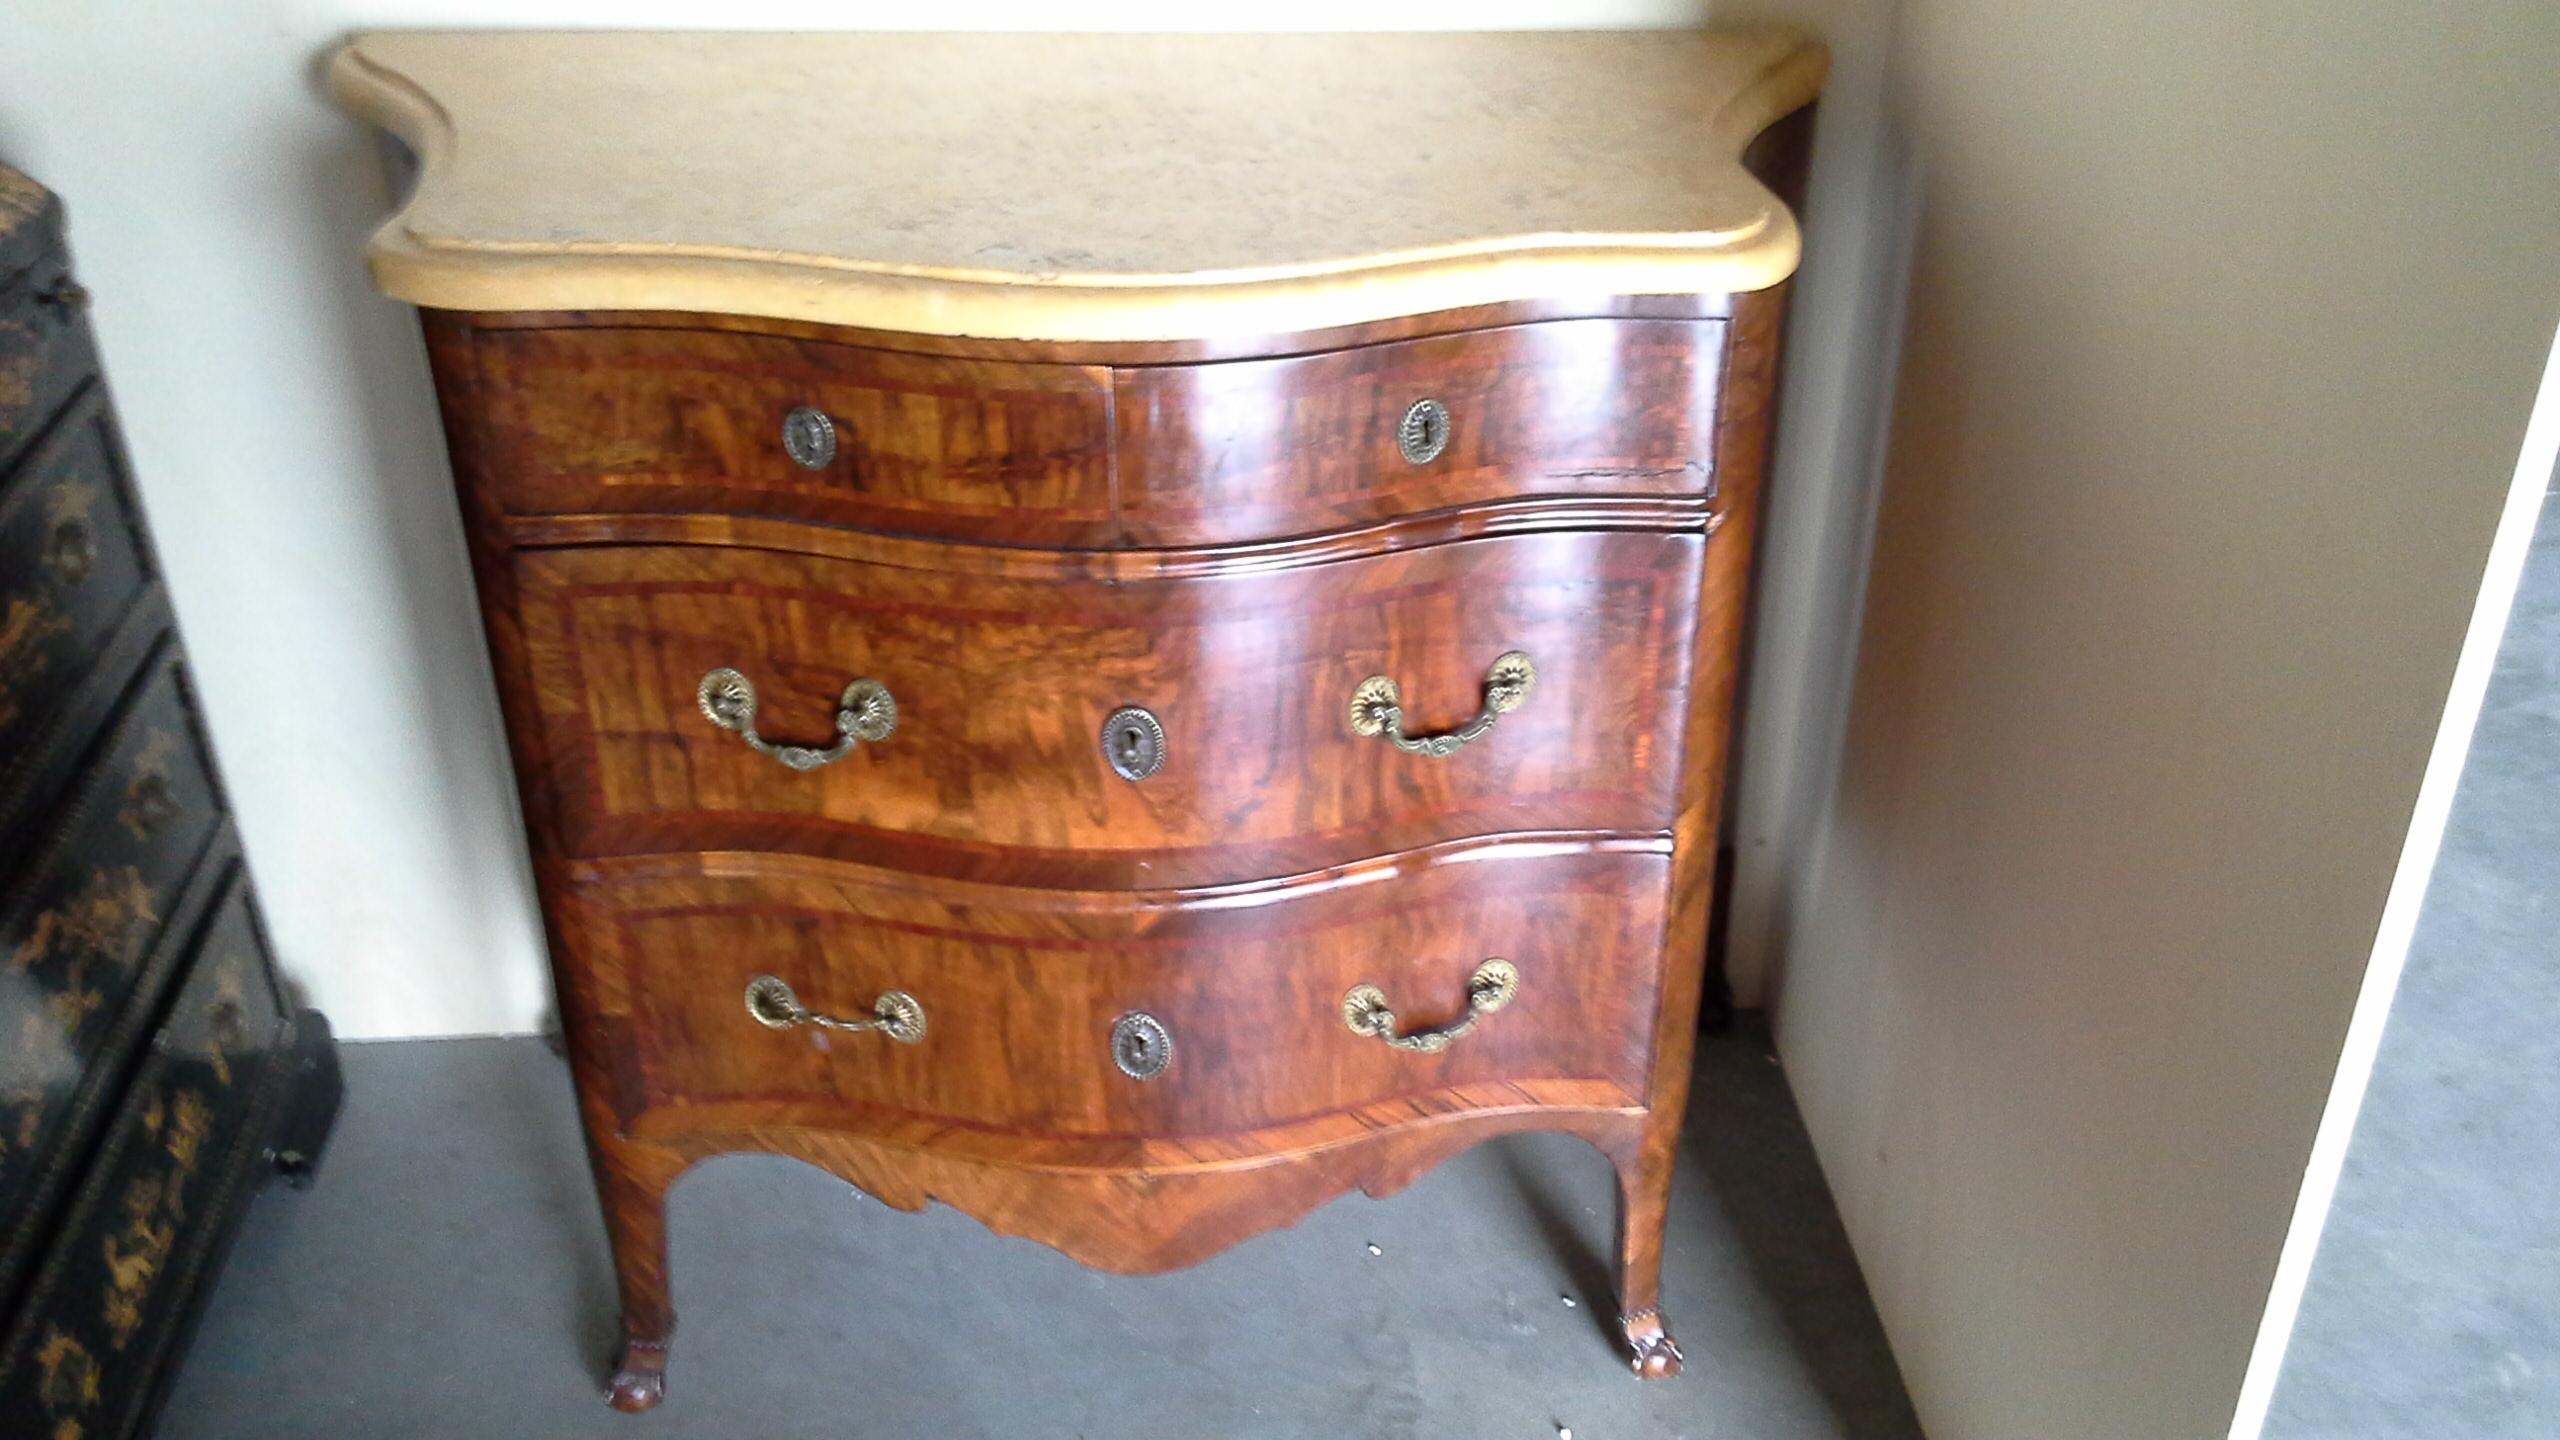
column 229, row 1017
column 111, row 916
column 21, row 199
column 26, row 624
column 154, row 1205
column 150, row 801
column 70, row 1376
column 24, row 1105
column 18, row 370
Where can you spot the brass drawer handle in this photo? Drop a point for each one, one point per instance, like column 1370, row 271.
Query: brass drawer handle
column 867, row 712
column 1377, row 707
column 895, row 1014
column 1366, row 1012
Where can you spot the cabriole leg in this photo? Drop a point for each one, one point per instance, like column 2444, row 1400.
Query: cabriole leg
column 633, row 1181
column 1644, row 1196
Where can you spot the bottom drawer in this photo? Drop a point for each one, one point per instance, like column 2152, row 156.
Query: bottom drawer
column 84, row 1352
column 1022, row 994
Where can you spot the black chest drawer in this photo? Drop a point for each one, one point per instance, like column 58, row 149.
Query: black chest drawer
column 45, row 350
column 71, row 566
column 81, row 1358
column 79, row 925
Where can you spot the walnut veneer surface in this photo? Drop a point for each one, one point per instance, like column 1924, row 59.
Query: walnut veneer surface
column 1129, row 992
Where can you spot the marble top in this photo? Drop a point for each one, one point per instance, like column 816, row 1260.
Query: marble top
column 1076, row 187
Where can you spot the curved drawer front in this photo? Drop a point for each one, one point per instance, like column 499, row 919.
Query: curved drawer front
column 997, row 767
column 634, row 419
column 1020, row 992
column 1249, row 449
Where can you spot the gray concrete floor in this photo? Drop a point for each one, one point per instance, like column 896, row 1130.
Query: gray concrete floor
column 448, row 1277
column 2433, row 1311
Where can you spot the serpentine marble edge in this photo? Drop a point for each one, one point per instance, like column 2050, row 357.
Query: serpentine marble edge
column 1229, row 184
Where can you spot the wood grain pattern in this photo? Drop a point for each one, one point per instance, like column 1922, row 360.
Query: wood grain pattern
column 1003, row 684
column 1120, row 1218
column 637, row 419
column 1258, row 448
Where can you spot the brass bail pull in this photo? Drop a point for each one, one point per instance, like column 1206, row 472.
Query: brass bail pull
column 1365, row 1010
column 895, row 1014
column 1377, row 707
column 866, row 712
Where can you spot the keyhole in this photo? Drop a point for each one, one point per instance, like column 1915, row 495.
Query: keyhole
column 1133, row 743
column 1424, row 432
column 1140, row 1045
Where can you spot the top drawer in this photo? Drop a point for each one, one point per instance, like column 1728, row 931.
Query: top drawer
column 1257, row 449
column 45, row 351
column 677, row 421
column 671, row 420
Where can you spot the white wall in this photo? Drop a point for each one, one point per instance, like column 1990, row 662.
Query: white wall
column 2224, row 324
column 282, row 421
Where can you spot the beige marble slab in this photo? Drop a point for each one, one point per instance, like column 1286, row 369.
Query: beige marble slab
column 1076, row 187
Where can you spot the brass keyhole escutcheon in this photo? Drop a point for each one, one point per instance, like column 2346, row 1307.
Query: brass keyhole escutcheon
column 774, row 1005
column 1423, row 433
column 1140, row 1045
column 809, row 437
column 1133, row 742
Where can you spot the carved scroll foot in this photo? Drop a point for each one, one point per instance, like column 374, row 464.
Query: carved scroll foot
column 1656, row 1354
column 639, row 1375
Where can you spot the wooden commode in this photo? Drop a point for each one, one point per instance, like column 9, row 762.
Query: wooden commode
column 1127, row 633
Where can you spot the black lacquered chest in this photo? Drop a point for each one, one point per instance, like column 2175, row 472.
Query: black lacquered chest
column 153, row 1069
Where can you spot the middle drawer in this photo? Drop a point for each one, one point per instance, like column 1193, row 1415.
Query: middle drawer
column 997, row 767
